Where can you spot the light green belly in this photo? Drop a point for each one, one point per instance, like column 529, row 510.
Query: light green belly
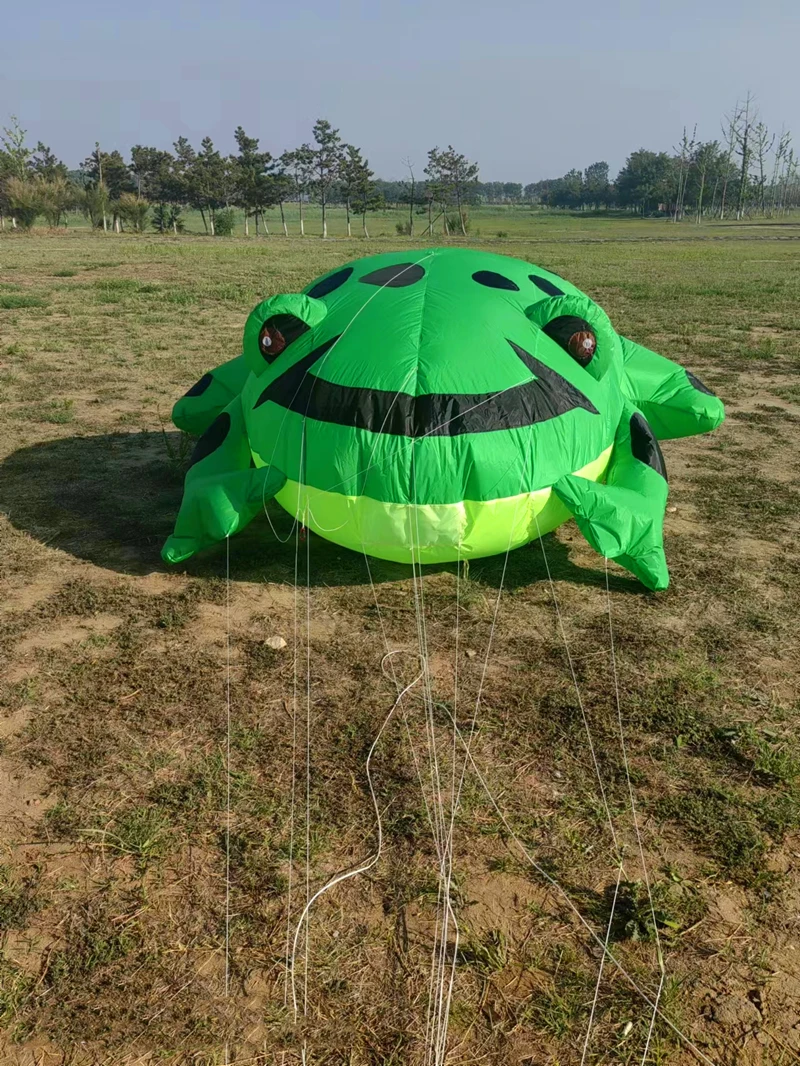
column 431, row 533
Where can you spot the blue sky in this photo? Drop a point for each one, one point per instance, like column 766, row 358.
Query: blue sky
column 528, row 89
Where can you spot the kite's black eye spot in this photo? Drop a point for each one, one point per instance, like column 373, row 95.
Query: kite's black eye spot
column 200, row 386
column 575, row 335
column 213, row 437
column 545, row 285
column 395, row 276
column 277, row 333
column 494, row 281
column 644, row 445
column 693, row 381
column 329, row 284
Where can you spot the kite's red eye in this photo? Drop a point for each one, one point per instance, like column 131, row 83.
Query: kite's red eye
column 277, row 333
column 271, row 342
column 582, row 345
column 575, row 336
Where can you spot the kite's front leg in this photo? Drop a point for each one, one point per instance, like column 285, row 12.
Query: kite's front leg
column 223, row 489
column 623, row 519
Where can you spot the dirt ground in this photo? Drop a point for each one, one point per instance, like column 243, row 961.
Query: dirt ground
column 116, row 847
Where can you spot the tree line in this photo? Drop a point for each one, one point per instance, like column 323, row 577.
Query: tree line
column 749, row 170
column 155, row 187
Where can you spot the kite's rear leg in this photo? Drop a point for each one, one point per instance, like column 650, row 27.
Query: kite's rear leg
column 623, row 519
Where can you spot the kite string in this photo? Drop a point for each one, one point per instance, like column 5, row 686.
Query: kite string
column 587, row 728
column 553, row 882
column 308, row 768
column 570, row 662
column 227, row 777
column 438, row 822
column 634, row 814
column 444, row 1008
column 617, row 848
column 368, row 863
column 293, row 793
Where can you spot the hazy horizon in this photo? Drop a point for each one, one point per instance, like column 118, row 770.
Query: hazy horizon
column 527, row 94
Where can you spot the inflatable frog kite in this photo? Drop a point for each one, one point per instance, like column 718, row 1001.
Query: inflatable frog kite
column 439, row 405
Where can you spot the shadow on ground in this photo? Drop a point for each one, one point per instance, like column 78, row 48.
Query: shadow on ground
column 112, row 500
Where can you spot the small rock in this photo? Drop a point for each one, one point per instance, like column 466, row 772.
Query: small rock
column 470, row 653
column 276, row 643
column 671, row 510
column 558, row 775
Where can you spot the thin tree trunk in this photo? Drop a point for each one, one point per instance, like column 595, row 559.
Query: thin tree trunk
column 745, row 166
column 324, row 218
column 116, row 225
column 247, row 224
column 205, row 224
column 211, row 222
column 283, row 221
column 700, row 197
column 347, row 211
column 460, row 212
column 175, row 226
column 302, row 227
column 264, row 224
column 364, row 223
column 714, row 195
column 100, row 171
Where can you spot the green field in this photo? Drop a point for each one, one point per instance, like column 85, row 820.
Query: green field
column 113, row 716
column 489, row 223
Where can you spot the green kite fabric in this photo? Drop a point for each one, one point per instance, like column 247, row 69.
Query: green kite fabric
column 438, row 405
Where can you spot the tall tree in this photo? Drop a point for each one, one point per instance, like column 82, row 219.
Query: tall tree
column 683, row 161
column 566, row 191
column 411, row 191
column 763, row 141
column 596, row 184
column 109, row 169
column 356, row 184
column 298, row 165
column 251, row 171
column 646, row 180
column 742, row 123
column 46, row 165
column 209, row 183
column 149, row 167
column 279, row 189
column 327, row 161
column 452, row 176
column 705, row 167
column 781, row 151
column 15, row 150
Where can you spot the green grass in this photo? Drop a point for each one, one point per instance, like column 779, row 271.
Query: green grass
column 498, row 222
column 13, row 301
column 113, row 885
column 55, row 412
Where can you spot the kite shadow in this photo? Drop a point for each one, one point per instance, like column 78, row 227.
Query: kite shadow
column 112, row 499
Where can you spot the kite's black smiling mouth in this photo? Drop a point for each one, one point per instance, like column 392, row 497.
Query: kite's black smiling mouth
column 547, row 396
